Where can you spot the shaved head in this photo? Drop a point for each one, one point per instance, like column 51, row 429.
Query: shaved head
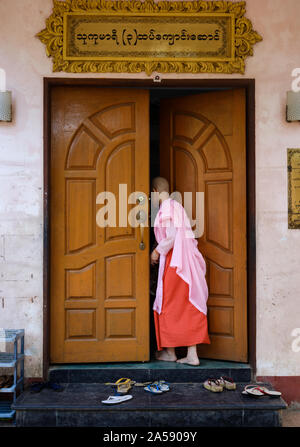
column 160, row 184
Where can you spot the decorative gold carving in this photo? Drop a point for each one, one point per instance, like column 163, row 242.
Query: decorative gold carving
column 244, row 36
column 294, row 188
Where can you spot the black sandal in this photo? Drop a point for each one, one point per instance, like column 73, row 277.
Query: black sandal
column 54, row 386
column 37, row 387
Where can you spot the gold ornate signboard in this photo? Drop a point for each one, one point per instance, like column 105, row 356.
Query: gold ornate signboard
column 294, row 188
column 134, row 36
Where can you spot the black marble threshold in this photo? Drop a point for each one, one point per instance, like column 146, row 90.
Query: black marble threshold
column 189, row 404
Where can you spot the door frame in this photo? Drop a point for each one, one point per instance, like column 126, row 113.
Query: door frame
column 249, row 86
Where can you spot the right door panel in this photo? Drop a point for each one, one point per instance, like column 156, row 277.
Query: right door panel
column 203, row 148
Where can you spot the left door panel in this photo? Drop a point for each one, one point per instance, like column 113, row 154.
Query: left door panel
column 99, row 277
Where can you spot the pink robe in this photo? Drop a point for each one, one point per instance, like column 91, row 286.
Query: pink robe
column 172, row 228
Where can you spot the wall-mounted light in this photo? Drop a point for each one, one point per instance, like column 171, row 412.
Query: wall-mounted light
column 5, row 98
column 293, row 106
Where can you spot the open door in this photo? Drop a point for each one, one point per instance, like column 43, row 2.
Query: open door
column 99, row 291
column 203, row 148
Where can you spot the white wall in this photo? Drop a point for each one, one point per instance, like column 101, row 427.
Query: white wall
column 21, row 177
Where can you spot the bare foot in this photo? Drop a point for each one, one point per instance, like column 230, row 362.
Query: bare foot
column 189, row 361
column 165, row 356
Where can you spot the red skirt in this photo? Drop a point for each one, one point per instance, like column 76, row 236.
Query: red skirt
column 180, row 323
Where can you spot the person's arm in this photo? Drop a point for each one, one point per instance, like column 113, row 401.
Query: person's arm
column 167, row 243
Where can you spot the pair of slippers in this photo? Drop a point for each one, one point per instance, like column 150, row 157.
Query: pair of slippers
column 38, row 386
column 158, row 387
column 258, row 391
column 218, row 385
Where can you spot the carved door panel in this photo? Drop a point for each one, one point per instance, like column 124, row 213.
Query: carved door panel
column 99, row 289
column 203, row 149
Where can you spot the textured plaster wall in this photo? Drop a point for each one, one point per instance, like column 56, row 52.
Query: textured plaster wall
column 21, row 178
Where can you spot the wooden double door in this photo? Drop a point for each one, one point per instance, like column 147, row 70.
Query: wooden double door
column 99, row 276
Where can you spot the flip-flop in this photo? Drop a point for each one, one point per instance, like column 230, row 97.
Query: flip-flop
column 153, row 388
column 123, row 385
column 252, row 390
column 272, row 393
column 227, row 382
column 213, row 385
column 162, row 385
column 258, row 391
column 113, row 400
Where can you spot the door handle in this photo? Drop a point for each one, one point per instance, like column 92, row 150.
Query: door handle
column 141, row 218
column 142, row 245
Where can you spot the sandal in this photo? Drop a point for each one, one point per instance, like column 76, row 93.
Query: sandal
column 257, row 391
column 153, row 388
column 36, row 387
column 112, row 400
column 227, row 382
column 213, row 385
column 123, row 385
column 272, row 393
column 162, row 385
column 252, row 390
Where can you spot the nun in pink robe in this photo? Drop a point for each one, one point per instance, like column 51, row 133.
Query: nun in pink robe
column 181, row 295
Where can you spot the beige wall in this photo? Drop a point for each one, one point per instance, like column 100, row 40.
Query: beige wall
column 21, row 178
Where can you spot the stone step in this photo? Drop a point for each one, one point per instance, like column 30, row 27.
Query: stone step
column 185, row 405
column 154, row 370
